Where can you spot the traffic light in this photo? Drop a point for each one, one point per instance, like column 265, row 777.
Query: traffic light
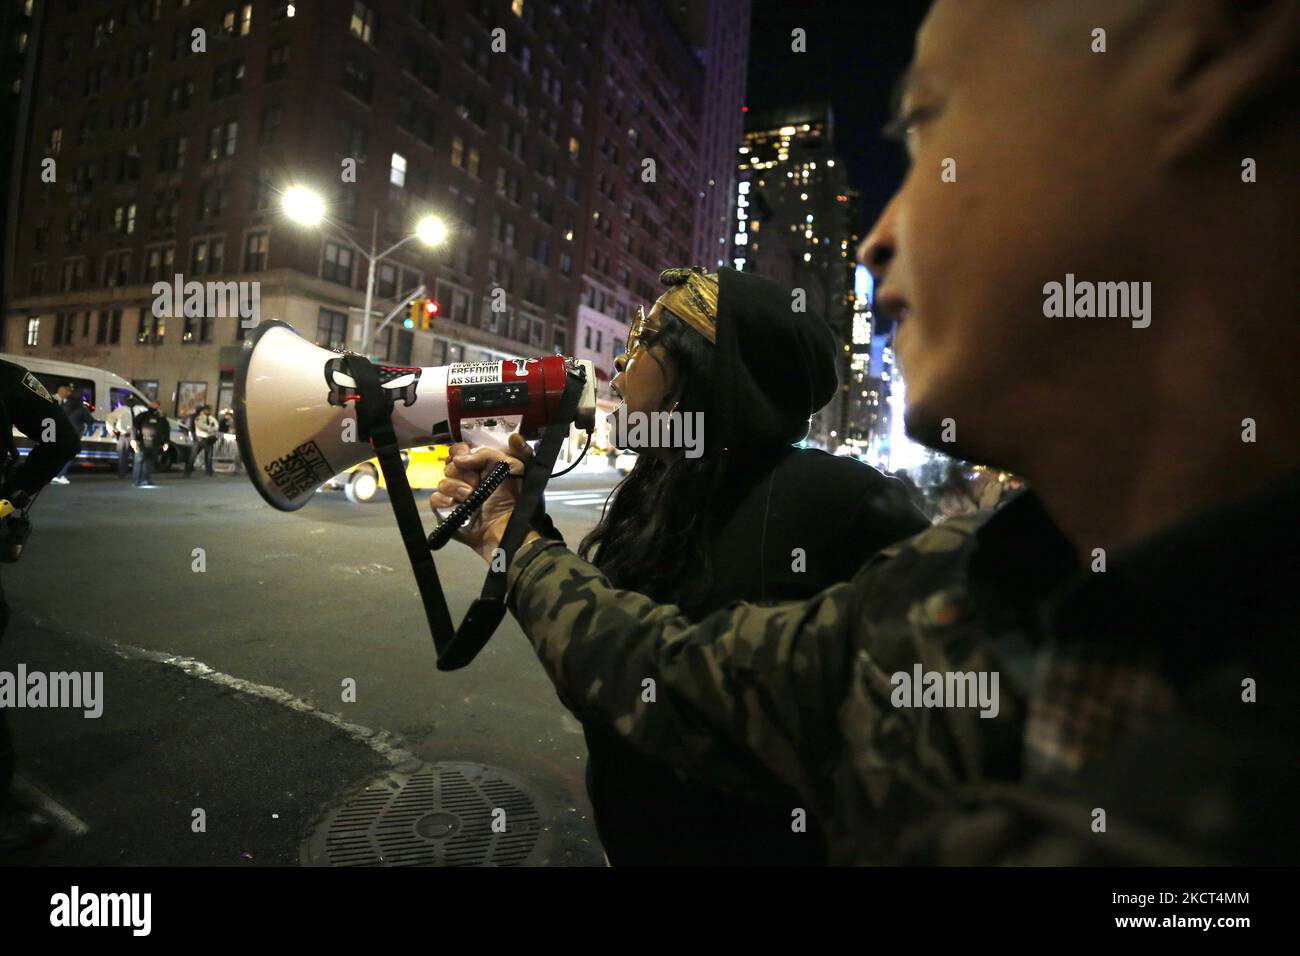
column 429, row 310
column 423, row 312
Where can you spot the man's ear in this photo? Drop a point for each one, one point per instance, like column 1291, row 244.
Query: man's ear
column 1232, row 56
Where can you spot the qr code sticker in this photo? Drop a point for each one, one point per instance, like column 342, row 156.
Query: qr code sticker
column 303, row 469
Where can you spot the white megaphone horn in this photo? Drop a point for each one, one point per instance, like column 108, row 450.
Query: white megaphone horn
column 296, row 417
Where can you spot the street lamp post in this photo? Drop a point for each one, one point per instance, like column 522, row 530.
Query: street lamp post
column 305, row 207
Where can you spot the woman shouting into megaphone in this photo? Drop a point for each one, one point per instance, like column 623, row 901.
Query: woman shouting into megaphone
column 718, row 383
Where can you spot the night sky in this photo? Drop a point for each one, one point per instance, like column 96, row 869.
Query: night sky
column 857, row 49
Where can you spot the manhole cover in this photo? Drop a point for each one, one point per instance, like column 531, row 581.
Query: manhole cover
column 446, row 814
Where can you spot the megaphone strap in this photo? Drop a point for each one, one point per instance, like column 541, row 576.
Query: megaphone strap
column 374, row 422
column 458, row 647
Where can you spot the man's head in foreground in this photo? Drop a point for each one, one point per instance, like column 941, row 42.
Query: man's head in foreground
column 1141, row 142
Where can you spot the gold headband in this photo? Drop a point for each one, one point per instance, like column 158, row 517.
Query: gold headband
column 693, row 298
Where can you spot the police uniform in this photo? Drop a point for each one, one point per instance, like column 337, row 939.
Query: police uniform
column 28, row 407
column 1160, row 691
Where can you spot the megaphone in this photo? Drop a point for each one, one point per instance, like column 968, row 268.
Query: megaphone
column 296, row 408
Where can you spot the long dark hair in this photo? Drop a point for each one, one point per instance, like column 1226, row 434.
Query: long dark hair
column 658, row 517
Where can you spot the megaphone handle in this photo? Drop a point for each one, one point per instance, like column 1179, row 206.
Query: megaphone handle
column 465, row 510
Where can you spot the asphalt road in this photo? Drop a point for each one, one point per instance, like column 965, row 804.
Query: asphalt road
column 224, row 679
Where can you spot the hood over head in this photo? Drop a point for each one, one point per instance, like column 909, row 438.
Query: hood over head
column 772, row 367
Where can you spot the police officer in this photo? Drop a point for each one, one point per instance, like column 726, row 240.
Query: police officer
column 78, row 415
column 149, row 440
column 28, row 407
column 203, row 431
column 121, row 424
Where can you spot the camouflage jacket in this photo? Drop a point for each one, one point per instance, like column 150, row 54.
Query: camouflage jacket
column 1119, row 691
column 793, row 697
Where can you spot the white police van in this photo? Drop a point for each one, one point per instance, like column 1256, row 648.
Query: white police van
column 102, row 391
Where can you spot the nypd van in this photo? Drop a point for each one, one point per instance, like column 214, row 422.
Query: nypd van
column 102, row 391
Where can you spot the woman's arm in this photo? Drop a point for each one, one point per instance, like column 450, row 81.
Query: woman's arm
column 746, row 688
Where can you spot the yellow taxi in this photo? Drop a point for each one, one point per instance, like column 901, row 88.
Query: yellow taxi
column 424, row 469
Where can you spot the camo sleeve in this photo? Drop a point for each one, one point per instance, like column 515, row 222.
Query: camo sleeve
column 748, row 687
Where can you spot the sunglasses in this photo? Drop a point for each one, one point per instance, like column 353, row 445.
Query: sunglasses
column 642, row 333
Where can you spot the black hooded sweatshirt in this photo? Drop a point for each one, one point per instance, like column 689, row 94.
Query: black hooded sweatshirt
column 791, row 523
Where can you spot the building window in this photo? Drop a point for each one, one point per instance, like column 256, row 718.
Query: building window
column 460, row 307
column 353, row 139
column 238, row 21
column 387, row 286
column 457, row 152
column 212, row 200
column 269, row 131
column 63, row 325
column 364, row 22
column 153, row 265
column 206, row 256
column 124, row 219
column 227, row 79
column 336, row 265
column 397, row 171
column 37, row 279
column 117, row 268
column 73, row 276
column 357, row 80
column 171, row 154
column 277, row 62
column 33, row 330
column 559, row 339
column 151, row 328
column 331, row 329
column 255, row 248
column 405, row 340
column 262, row 189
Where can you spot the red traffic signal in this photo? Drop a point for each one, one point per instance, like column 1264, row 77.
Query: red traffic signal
column 423, row 312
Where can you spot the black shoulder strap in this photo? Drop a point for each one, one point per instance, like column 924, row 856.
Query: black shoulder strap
column 455, row 647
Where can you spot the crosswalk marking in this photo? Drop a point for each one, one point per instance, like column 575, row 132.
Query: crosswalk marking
column 578, row 499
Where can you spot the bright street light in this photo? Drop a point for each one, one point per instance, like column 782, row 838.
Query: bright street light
column 303, row 206
column 431, row 230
